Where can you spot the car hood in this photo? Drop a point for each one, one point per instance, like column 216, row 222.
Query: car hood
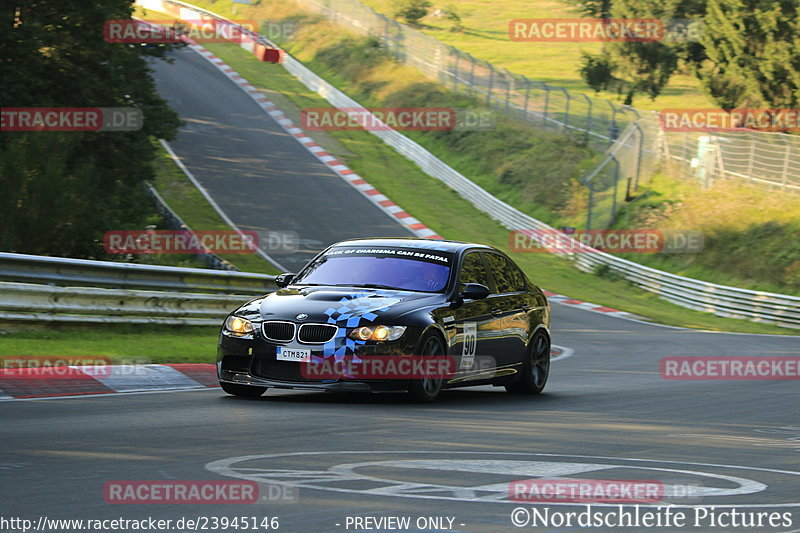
column 344, row 306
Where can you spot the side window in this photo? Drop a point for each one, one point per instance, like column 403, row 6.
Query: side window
column 516, row 276
column 473, row 271
column 506, row 274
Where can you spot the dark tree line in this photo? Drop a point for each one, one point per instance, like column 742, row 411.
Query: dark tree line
column 60, row 191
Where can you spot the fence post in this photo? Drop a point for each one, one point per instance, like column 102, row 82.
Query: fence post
column 491, row 81
column 471, row 74
column 589, row 209
column 589, row 118
column 509, row 81
column 527, row 95
column 455, row 69
column 546, row 102
column 614, row 202
column 613, row 129
column 639, row 151
column 752, row 156
column 785, row 180
column 687, row 165
column 566, row 110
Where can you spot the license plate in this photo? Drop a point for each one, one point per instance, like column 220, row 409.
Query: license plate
column 301, row 355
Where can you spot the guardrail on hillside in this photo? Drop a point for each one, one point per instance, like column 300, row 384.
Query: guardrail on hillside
column 84, row 272
column 55, row 289
column 90, row 305
column 694, row 294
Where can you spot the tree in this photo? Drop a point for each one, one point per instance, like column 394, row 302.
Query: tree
column 452, row 15
column 600, row 9
column 753, row 53
column 411, row 11
column 642, row 67
column 60, row 191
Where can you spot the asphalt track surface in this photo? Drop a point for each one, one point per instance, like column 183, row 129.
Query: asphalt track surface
column 260, row 176
column 606, row 414
column 606, row 404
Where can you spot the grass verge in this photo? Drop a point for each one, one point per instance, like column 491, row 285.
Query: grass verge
column 184, row 199
column 121, row 343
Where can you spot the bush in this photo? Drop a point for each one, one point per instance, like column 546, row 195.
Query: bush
column 411, row 11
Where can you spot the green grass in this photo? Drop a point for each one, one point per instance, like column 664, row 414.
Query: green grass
column 186, row 200
column 486, row 37
column 447, row 213
column 121, row 343
column 747, row 241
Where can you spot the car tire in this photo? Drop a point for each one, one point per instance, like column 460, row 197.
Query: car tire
column 535, row 368
column 244, row 391
column 427, row 390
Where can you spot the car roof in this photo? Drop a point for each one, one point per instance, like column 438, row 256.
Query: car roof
column 428, row 244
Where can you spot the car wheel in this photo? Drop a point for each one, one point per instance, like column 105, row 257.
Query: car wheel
column 535, row 368
column 245, row 391
column 427, row 389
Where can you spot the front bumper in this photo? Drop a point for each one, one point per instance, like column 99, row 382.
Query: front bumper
column 245, row 378
column 252, row 361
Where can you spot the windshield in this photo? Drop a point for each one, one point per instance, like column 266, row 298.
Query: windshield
column 389, row 268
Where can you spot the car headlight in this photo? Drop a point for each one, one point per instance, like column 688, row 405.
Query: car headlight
column 378, row 333
column 238, row 325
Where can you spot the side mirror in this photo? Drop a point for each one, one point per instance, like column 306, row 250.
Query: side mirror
column 282, row 280
column 474, row 291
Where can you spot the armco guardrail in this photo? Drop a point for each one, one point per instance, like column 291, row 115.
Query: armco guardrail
column 47, row 303
column 85, row 272
column 693, row 294
column 54, row 289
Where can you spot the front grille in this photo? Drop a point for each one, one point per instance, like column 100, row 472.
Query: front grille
column 316, row 333
column 278, row 331
column 279, row 370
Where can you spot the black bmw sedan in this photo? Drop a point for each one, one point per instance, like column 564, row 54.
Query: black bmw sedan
column 376, row 315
